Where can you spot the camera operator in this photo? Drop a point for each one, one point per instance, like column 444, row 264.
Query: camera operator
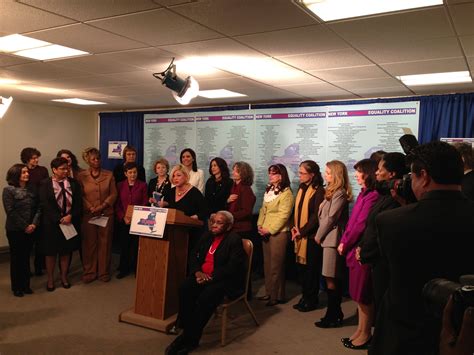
column 452, row 344
column 392, row 166
column 421, row 241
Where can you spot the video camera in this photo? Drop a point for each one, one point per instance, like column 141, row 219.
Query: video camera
column 436, row 295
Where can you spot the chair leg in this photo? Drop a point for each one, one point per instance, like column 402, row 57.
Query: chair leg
column 224, row 326
column 251, row 311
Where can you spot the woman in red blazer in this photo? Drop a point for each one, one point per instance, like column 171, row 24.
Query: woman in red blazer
column 130, row 192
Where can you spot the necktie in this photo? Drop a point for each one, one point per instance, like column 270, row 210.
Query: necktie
column 64, row 199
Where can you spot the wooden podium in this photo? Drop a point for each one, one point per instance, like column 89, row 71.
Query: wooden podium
column 161, row 268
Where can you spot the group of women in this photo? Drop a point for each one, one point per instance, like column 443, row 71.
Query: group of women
column 321, row 228
column 324, row 235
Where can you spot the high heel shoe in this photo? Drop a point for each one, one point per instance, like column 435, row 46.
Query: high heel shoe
column 365, row 346
column 50, row 289
column 65, row 285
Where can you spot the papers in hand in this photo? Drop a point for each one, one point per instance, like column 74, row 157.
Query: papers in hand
column 68, row 230
column 100, row 221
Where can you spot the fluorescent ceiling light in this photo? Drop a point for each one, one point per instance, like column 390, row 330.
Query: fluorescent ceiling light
column 14, row 43
column 436, row 78
column 4, row 105
column 4, row 81
column 80, row 101
column 330, row 10
column 54, row 51
column 220, row 93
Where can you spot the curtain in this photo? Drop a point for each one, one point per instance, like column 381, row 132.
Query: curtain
column 120, row 126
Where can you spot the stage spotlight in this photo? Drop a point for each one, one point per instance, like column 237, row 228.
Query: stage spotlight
column 184, row 90
column 4, row 105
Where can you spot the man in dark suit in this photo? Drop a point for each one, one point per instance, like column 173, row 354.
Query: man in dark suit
column 467, row 184
column 421, row 241
column 217, row 269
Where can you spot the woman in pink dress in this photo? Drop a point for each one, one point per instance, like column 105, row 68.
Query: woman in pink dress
column 360, row 284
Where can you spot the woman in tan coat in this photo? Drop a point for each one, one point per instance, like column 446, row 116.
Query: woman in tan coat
column 333, row 215
column 99, row 195
column 273, row 227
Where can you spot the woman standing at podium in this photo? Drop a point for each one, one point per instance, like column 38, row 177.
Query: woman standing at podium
column 187, row 198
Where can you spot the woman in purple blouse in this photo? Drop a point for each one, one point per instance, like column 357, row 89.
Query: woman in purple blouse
column 360, row 284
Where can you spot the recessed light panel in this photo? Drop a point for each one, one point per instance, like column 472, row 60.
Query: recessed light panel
column 15, row 43
column 80, row 101
column 330, row 10
column 220, row 93
column 436, row 78
column 54, row 51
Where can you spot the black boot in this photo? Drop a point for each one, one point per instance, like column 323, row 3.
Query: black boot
column 334, row 316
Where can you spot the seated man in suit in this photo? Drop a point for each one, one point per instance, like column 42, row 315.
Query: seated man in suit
column 217, row 269
column 432, row 238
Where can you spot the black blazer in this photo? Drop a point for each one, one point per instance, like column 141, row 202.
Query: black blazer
column 229, row 262
column 432, row 238
column 369, row 245
column 51, row 212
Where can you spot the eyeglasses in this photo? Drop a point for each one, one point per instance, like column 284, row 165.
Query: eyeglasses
column 219, row 223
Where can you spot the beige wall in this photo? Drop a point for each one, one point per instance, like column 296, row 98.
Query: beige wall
column 47, row 128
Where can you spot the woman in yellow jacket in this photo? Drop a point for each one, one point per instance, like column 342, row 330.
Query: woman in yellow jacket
column 273, row 227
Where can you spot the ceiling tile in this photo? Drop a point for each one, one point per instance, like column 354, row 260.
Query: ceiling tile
column 381, row 92
column 142, row 77
column 369, row 84
column 38, row 71
column 86, row 82
column 463, row 16
column 232, row 83
column 7, row 60
column 86, row 38
column 83, row 10
column 396, row 27
column 19, row 18
column 95, row 64
column 132, row 90
column 149, row 58
column 294, row 41
column 236, row 17
column 327, row 60
column 310, row 90
column 353, row 73
column 426, row 66
column 331, row 96
column 467, row 43
column 436, row 48
column 157, row 28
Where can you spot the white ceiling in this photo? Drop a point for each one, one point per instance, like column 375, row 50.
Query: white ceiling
column 131, row 39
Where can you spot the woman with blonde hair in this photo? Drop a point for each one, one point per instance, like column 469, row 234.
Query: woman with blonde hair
column 187, row 198
column 333, row 216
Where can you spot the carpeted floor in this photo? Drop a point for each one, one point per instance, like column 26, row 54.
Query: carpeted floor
column 84, row 320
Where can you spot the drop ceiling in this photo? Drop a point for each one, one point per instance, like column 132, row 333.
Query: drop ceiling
column 131, row 39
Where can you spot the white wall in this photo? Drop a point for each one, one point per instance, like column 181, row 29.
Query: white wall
column 47, row 128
